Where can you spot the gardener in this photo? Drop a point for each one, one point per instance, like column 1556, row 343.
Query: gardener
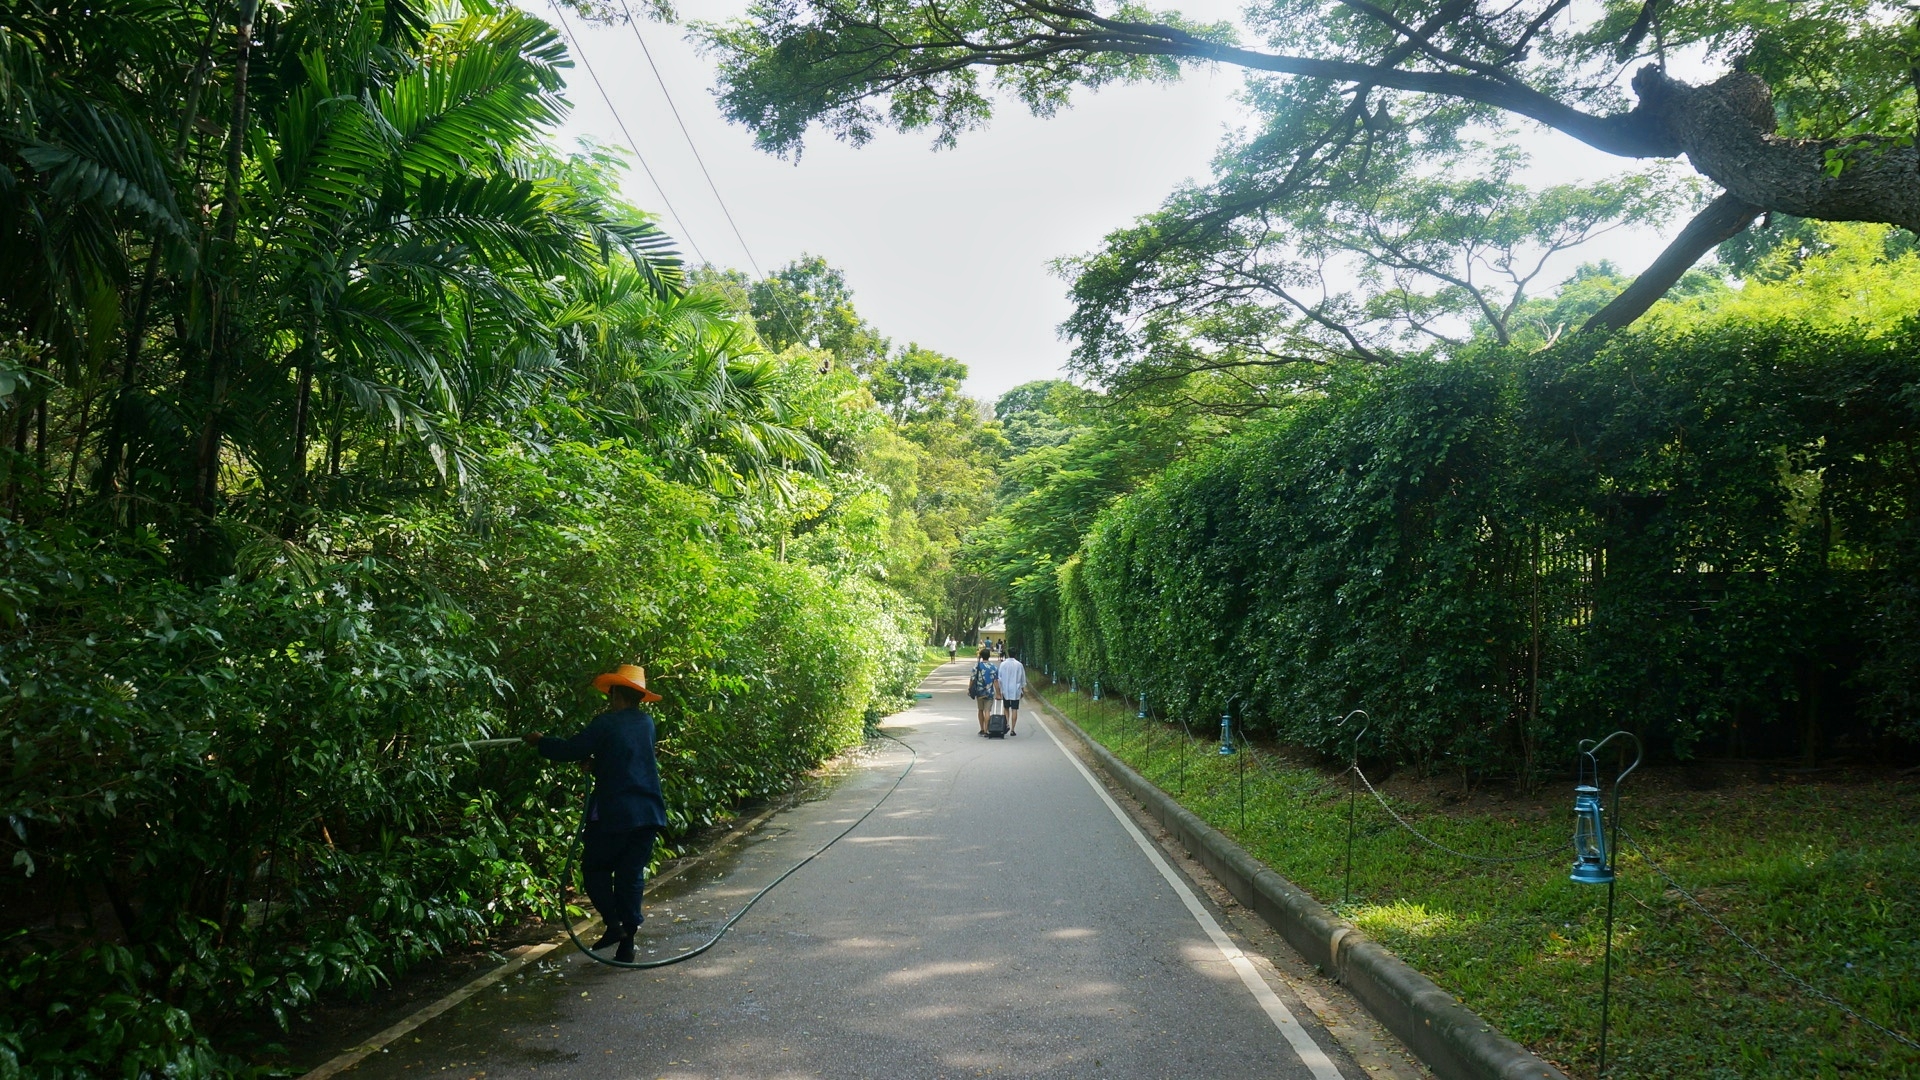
column 625, row 813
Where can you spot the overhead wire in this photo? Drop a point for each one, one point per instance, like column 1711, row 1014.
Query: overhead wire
column 688, row 135
column 579, row 49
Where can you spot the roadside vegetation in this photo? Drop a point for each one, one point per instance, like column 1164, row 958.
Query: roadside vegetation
column 344, row 416
column 1818, row 872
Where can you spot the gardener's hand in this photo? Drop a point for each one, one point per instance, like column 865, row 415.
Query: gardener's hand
column 533, row 739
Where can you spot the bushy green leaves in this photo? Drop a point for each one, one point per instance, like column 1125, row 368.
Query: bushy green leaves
column 249, row 766
column 1694, row 536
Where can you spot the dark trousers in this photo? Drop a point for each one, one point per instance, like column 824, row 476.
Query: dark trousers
column 615, row 866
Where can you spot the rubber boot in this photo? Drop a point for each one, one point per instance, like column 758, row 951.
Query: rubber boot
column 624, row 954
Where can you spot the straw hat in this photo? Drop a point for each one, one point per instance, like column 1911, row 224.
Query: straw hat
column 631, row 676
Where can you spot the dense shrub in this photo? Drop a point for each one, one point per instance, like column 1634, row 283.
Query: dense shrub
column 1706, row 538
column 223, row 800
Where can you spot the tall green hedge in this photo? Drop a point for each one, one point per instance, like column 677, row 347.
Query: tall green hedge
column 1712, row 539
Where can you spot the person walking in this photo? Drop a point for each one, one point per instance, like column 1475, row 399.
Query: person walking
column 626, row 811
column 953, row 649
column 1011, row 682
column 982, row 685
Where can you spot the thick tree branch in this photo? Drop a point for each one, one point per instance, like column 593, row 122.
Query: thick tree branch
column 1726, row 131
column 1628, row 134
column 1723, row 219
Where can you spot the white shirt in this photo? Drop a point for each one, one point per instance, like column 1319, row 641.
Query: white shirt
column 1013, row 679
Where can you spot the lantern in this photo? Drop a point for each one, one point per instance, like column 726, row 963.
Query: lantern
column 1592, row 864
column 1592, row 860
column 1142, row 714
column 1226, row 735
column 1096, row 689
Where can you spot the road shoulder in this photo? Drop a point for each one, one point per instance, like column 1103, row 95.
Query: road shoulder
column 1376, row 1050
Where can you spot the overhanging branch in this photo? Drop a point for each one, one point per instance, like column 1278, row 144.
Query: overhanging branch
column 1721, row 221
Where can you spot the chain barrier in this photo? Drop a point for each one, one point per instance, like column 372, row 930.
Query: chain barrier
column 1796, row 980
column 1557, row 849
column 1803, row 985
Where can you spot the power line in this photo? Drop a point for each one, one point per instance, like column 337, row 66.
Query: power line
column 632, row 144
column 704, row 171
column 688, row 135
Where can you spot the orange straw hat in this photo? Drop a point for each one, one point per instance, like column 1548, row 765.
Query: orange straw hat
column 631, row 676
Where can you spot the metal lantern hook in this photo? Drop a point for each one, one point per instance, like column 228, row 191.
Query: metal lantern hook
column 1593, row 850
column 1353, row 791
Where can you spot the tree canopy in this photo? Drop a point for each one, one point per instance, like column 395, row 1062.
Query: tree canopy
column 1370, row 116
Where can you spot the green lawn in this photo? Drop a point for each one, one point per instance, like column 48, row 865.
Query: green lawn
column 932, row 657
column 1822, row 877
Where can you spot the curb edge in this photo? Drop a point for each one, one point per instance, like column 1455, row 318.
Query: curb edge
column 1449, row 1038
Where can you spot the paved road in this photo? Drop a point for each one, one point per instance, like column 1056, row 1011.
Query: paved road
column 994, row 918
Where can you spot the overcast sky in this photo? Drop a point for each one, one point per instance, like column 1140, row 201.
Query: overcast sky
column 947, row 248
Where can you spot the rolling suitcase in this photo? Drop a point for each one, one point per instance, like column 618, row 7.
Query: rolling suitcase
column 997, row 725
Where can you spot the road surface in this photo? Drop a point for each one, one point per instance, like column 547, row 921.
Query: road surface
column 995, row 917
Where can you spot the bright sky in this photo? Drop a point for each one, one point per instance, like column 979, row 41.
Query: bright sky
column 946, row 248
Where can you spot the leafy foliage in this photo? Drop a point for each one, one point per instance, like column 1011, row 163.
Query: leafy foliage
column 343, row 419
column 1502, row 554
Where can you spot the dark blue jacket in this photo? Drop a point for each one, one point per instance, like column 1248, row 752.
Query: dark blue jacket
column 626, row 778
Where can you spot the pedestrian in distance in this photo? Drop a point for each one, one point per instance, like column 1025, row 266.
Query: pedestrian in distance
column 626, row 811
column 1011, row 683
column 982, row 685
column 953, row 649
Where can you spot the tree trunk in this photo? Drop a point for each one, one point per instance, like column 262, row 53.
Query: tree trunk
column 207, row 449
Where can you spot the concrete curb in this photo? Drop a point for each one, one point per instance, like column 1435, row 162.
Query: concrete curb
column 1449, row 1038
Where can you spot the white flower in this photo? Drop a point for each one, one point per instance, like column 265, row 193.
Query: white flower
column 366, row 605
column 338, row 589
column 315, row 657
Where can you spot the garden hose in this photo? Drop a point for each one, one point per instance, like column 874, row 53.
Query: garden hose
column 566, row 876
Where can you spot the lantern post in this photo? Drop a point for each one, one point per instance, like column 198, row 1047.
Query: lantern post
column 1594, row 850
column 1353, row 791
column 1227, row 749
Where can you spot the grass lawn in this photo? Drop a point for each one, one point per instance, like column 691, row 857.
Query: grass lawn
column 931, row 657
column 1823, row 877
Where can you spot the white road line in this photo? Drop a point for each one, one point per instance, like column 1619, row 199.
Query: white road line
column 1302, row 1042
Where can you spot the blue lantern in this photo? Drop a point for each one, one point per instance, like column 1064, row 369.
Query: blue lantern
column 1592, row 853
column 1591, row 864
column 1096, row 689
column 1227, row 749
column 1142, row 714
